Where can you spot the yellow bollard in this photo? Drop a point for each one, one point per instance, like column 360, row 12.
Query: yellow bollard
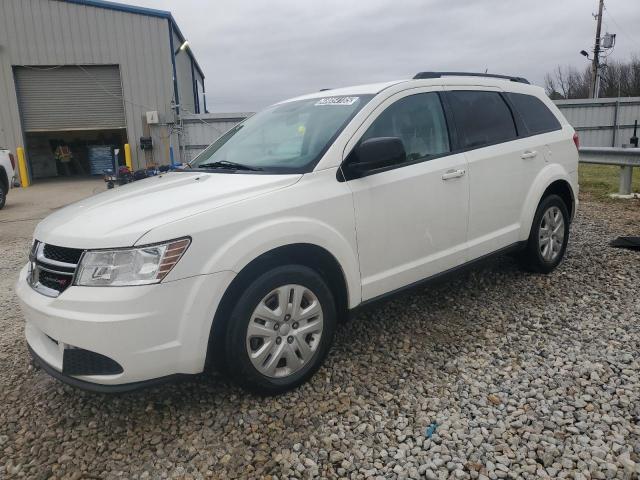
column 127, row 156
column 22, row 168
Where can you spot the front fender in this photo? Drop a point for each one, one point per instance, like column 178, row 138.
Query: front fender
column 247, row 245
column 546, row 177
column 317, row 210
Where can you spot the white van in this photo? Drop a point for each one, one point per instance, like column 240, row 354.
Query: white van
column 249, row 257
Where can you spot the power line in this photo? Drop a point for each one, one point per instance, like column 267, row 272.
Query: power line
column 94, row 79
column 102, row 87
column 637, row 44
column 107, row 91
column 97, row 82
column 43, row 69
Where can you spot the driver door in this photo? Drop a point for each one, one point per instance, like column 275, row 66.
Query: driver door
column 411, row 217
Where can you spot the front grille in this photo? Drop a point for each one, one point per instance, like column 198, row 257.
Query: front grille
column 55, row 281
column 62, row 254
column 76, row 361
column 52, row 268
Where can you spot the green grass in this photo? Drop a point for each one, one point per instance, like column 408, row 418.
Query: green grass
column 601, row 180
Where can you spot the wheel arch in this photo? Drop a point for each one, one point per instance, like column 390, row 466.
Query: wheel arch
column 563, row 189
column 310, row 255
column 552, row 180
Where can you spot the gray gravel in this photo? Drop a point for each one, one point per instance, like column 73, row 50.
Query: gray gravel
column 524, row 376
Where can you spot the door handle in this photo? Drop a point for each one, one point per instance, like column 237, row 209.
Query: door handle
column 528, row 154
column 449, row 174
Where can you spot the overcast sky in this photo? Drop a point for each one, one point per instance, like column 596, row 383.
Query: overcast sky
column 257, row 52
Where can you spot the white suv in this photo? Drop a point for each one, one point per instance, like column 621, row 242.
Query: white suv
column 249, row 257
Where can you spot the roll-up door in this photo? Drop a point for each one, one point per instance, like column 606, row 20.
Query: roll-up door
column 85, row 97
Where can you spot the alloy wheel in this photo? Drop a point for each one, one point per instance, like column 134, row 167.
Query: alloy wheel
column 551, row 234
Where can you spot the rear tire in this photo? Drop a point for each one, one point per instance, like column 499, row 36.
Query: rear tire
column 549, row 235
column 280, row 330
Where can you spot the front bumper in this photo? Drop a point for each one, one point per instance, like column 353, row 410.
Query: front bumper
column 151, row 331
column 97, row 387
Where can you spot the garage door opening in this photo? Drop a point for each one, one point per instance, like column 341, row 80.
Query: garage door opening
column 74, row 153
column 73, row 118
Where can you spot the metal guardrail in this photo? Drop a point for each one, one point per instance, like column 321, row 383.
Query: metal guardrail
column 625, row 158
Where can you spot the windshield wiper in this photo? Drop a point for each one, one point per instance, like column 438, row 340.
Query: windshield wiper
column 228, row 165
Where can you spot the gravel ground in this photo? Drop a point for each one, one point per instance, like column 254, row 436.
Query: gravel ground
column 517, row 376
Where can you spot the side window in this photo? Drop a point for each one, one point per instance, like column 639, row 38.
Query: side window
column 535, row 114
column 418, row 120
column 484, row 118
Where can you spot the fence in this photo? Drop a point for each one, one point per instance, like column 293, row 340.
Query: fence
column 604, row 125
column 199, row 131
column 602, row 122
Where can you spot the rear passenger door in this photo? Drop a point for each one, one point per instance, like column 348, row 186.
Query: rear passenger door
column 500, row 168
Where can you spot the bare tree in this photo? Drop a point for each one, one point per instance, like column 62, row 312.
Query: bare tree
column 621, row 78
column 616, row 78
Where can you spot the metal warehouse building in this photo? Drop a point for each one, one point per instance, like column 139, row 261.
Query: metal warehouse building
column 82, row 77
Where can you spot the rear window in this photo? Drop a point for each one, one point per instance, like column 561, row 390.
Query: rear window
column 535, row 114
column 483, row 118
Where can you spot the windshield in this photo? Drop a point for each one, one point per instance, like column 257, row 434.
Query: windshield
column 286, row 138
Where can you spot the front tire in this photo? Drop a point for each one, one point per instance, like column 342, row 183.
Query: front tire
column 549, row 235
column 280, row 330
column 3, row 195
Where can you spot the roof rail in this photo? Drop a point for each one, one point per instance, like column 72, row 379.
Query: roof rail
column 423, row 75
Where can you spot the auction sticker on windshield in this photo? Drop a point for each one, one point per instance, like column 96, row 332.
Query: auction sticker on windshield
column 337, row 101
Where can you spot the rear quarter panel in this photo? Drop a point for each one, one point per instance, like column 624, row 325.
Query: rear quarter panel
column 560, row 155
column 561, row 163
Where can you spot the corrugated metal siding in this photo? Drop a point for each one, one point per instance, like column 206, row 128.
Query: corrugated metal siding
column 52, row 32
column 603, row 122
column 185, row 80
column 70, row 98
column 199, row 86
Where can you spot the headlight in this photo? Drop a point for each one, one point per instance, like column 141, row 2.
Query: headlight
column 130, row 266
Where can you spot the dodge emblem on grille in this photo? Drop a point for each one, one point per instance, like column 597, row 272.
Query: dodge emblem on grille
column 60, row 281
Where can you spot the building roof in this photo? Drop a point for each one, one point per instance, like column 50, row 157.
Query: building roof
column 151, row 12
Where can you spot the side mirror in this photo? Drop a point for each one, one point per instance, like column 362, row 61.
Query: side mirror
column 377, row 153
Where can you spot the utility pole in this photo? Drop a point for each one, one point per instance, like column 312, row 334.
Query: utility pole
column 595, row 68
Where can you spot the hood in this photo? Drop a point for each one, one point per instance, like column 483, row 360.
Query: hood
column 119, row 217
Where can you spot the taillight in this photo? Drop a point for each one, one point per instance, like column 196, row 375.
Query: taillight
column 576, row 140
column 13, row 161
